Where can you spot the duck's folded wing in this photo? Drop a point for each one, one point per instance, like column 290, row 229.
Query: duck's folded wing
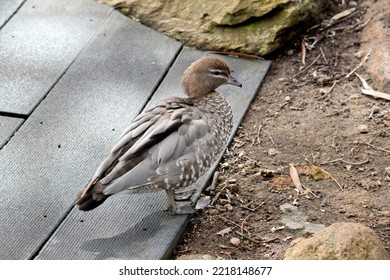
column 175, row 134
column 161, row 134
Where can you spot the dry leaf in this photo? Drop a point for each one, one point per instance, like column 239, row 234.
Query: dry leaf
column 281, row 183
column 295, row 178
column 203, row 202
column 317, row 173
column 341, row 15
column 224, row 231
column 303, row 49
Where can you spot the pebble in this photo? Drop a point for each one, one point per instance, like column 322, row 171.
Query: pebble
column 213, row 212
column 363, row 128
column 235, row 241
column 352, row 4
column 355, row 96
column 224, row 201
column 220, row 208
column 229, row 207
column 290, row 52
column 273, row 152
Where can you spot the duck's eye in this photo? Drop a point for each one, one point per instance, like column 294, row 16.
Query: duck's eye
column 216, row 72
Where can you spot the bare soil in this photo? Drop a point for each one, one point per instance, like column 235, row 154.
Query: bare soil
column 308, row 115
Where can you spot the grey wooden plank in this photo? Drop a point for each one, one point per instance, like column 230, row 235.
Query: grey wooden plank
column 39, row 43
column 54, row 153
column 135, row 226
column 8, row 126
column 7, row 9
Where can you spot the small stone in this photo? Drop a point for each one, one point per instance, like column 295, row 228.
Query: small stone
column 229, row 207
column 355, row 96
column 213, row 212
column 250, row 164
column 232, row 181
column 224, row 201
column 287, row 98
column 363, row 128
column 290, row 52
column 288, row 208
column 220, row 208
column 235, row 241
column 360, row 54
column 273, row 152
column 352, row 4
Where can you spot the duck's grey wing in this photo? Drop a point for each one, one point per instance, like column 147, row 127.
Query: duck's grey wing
column 174, row 137
column 158, row 136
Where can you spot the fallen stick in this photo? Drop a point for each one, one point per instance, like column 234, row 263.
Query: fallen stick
column 377, row 148
column 344, row 161
column 333, row 178
column 359, row 65
column 308, row 67
column 367, row 90
column 246, row 237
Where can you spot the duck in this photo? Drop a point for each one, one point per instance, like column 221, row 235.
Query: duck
column 171, row 144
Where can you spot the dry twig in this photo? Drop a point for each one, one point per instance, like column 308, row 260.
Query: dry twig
column 308, row 67
column 346, row 162
column 333, row 178
column 377, row 148
column 359, row 65
column 323, row 55
column 367, row 90
column 246, row 237
column 242, row 224
column 232, row 223
column 270, row 137
column 303, row 49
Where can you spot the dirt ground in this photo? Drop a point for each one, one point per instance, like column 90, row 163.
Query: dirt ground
column 308, row 115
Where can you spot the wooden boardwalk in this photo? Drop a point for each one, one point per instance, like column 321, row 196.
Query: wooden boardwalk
column 73, row 74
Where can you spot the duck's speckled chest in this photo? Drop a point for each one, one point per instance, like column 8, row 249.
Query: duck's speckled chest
column 220, row 117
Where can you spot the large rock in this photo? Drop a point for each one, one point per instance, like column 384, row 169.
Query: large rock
column 340, row 241
column 249, row 26
column 376, row 39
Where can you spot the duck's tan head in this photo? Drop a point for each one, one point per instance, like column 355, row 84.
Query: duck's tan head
column 205, row 75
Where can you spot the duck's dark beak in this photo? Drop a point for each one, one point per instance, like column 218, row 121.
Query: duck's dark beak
column 233, row 81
